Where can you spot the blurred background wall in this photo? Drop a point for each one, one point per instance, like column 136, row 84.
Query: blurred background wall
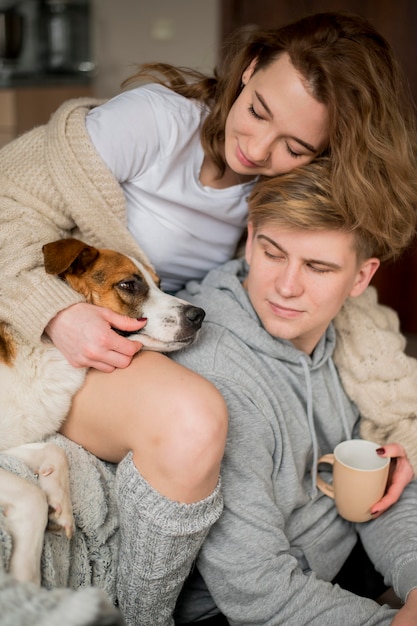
column 125, row 32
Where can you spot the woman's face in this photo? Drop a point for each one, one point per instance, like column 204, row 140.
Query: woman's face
column 275, row 124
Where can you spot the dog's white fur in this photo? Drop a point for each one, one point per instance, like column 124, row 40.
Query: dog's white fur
column 37, row 385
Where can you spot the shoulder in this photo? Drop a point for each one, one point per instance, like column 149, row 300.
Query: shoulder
column 136, row 127
column 206, row 354
column 146, row 103
column 221, row 356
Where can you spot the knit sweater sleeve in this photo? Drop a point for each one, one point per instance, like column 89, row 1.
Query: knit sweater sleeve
column 376, row 373
column 32, row 214
column 53, row 185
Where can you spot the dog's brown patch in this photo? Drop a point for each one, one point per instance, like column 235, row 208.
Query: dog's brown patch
column 112, row 281
column 7, row 346
column 104, row 277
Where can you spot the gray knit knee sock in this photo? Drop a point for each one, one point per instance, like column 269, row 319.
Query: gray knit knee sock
column 160, row 539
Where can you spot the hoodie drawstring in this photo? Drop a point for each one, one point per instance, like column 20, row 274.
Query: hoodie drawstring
column 338, row 387
column 310, row 416
column 310, row 420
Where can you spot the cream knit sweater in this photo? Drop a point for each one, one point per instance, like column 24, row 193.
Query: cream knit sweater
column 53, row 184
column 376, row 373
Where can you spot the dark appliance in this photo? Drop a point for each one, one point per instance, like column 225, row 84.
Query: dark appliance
column 45, row 37
column 20, row 48
column 66, row 26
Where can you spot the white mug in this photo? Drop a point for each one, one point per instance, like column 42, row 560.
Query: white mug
column 359, row 478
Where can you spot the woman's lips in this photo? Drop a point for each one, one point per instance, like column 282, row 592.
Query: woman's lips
column 243, row 160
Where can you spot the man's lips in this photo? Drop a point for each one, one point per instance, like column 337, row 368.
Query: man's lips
column 285, row 312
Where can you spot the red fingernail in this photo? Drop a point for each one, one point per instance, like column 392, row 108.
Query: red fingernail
column 142, row 319
column 380, row 451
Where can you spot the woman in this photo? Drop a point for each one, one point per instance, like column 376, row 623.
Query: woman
column 164, row 170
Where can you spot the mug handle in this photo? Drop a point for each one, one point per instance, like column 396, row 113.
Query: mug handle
column 326, row 488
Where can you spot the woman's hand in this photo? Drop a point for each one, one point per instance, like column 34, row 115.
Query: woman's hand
column 85, row 336
column 401, row 472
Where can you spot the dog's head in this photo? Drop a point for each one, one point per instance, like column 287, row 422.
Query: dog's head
column 115, row 281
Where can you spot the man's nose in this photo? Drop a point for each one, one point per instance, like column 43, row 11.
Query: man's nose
column 289, row 283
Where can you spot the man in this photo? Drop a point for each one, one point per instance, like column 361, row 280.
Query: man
column 279, row 548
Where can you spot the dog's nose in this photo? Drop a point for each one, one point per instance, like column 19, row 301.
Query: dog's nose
column 195, row 315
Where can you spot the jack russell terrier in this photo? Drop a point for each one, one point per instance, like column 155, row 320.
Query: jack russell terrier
column 37, row 385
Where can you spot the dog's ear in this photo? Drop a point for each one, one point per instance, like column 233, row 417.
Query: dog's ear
column 68, row 256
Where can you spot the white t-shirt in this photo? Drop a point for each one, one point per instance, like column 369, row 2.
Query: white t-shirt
column 149, row 137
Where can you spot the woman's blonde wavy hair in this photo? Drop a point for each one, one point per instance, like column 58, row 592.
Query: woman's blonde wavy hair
column 350, row 68
column 303, row 199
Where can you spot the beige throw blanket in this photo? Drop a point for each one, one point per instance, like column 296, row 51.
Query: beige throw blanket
column 376, row 373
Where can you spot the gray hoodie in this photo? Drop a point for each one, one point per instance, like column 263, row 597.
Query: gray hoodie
column 279, row 542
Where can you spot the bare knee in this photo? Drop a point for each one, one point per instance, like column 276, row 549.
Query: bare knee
column 173, row 420
column 188, row 449
column 199, row 433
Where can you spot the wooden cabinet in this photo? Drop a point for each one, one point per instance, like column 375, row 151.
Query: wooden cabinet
column 23, row 107
column 397, row 22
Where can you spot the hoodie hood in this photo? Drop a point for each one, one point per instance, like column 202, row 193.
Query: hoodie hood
column 225, row 300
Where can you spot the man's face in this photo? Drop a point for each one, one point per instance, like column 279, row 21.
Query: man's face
column 298, row 280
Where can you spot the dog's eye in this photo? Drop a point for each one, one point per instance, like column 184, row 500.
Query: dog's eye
column 134, row 286
column 128, row 285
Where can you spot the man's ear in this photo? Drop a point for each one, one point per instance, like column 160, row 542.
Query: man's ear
column 364, row 276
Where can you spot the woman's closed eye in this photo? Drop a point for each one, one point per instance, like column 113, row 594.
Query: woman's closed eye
column 292, row 153
column 252, row 111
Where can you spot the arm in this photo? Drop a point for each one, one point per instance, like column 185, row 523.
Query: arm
column 31, row 214
column 48, row 191
column 30, row 297
column 391, row 543
column 247, row 560
column 408, row 613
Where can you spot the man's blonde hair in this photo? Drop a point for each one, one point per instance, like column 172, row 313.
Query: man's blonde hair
column 302, row 199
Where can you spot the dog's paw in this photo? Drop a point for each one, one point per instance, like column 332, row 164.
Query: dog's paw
column 60, row 521
column 60, row 517
column 54, row 480
column 49, row 462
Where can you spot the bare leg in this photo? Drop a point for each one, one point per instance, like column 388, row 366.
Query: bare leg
column 173, row 420
column 174, row 424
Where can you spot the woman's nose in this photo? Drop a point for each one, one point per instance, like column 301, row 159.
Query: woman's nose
column 261, row 150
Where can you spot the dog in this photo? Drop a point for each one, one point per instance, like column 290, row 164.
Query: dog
column 37, row 385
